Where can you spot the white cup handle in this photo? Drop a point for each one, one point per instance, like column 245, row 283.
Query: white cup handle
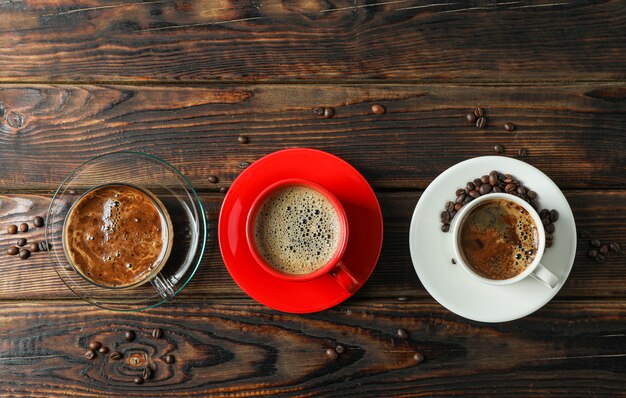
column 543, row 275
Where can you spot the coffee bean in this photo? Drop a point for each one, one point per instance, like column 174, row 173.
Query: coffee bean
column 33, row 247
column 402, row 334
column 521, row 191
column 549, row 243
column 460, row 198
column 94, row 345
column 545, row 221
column 532, row 194
column 68, row 267
column 479, row 112
column 453, row 261
column 586, row 235
column 497, row 189
column 21, row 242
column 508, row 178
column 23, row 227
column 418, row 357
column 475, row 194
column 450, row 206
column 467, row 199
column 12, row 229
column 318, row 111
column 116, row 355
column 243, row 165
column 534, row 203
column 592, row 253
column 510, row 188
column 544, row 213
column 129, row 335
column 615, row 247
column 604, row 249
column 169, row 359
column 103, row 350
column 445, row 217
column 340, row 349
column 157, row 333
column 523, row 152
column 481, row 122
column 43, row 246
column 12, row 251
column 213, row 179
column 138, row 380
column 147, row 373
column 453, row 213
column 459, row 191
column 223, row 189
column 24, row 254
column 331, row 354
column 509, row 126
column 470, row 186
column 493, row 178
column 485, row 189
column 600, row 258
column 550, row 228
column 471, row 118
column 478, row 182
column 445, row 227
column 554, row 215
column 549, row 236
column 90, row 355
column 457, row 207
column 378, row 109
column 328, row 112
column 596, row 243
column 498, row 148
column 38, row 221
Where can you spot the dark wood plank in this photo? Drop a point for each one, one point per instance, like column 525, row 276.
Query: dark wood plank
column 575, row 133
column 245, row 40
column 236, row 349
column 603, row 214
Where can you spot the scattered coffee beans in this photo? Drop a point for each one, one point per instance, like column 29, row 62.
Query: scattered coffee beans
column 95, row 345
column 116, row 355
column 21, row 242
column 319, row 111
column 523, row 152
column 138, row 380
column 147, row 373
column 481, row 122
column 402, row 334
column 509, row 126
column 595, row 243
column 90, row 355
column 479, row 112
column 223, row 189
column 242, row 139
column 44, row 246
column 12, row 251
column 331, row 354
column 418, row 357
column 243, row 165
column 23, row 227
column 213, row 179
column 12, row 229
column 24, row 254
column 103, row 350
column 378, row 109
column 600, row 258
column 471, row 118
column 33, row 247
column 600, row 251
column 615, row 247
column 169, row 359
column 498, row 148
column 328, row 112
column 157, row 333
column 592, row 253
column 340, row 349
column 129, row 335
column 38, row 221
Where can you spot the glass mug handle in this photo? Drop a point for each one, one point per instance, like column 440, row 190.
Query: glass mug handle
column 163, row 286
column 543, row 275
column 344, row 277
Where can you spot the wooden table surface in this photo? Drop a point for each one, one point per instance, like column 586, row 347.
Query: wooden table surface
column 183, row 79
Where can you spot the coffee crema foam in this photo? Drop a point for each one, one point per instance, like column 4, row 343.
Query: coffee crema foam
column 115, row 235
column 498, row 239
column 297, row 230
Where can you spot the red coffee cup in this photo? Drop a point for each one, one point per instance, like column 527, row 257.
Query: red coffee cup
column 333, row 267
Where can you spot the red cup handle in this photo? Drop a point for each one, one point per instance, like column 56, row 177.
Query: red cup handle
column 344, row 277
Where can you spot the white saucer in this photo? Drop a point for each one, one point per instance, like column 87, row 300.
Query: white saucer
column 455, row 289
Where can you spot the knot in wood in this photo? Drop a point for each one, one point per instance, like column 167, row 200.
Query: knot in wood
column 136, row 360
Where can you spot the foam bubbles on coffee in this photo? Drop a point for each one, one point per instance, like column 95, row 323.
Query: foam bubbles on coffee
column 297, row 230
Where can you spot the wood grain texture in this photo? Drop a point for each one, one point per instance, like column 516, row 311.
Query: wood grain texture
column 235, row 349
column 244, row 40
column 574, row 133
column 603, row 214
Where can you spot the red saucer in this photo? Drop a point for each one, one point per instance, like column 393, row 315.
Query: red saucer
column 364, row 218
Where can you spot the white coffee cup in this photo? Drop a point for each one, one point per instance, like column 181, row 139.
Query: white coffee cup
column 534, row 269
